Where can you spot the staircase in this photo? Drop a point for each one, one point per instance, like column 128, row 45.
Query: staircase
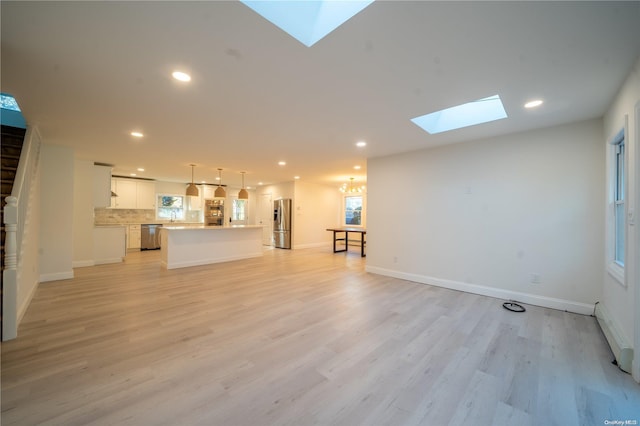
column 12, row 139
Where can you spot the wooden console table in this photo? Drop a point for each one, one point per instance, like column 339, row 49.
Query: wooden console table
column 346, row 232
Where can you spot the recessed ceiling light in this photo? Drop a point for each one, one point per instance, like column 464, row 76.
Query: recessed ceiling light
column 181, row 76
column 356, row 167
column 260, row 183
column 534, row 103
column 296, row 177
column 282, row 163
column 132, row 174
column 218, row 178
column 361, row 144
column 475, row 112
column 140, row 169
column 137, row 134
column 203, row 181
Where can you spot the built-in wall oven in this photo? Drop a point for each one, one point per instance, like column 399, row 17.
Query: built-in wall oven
column 150, row 236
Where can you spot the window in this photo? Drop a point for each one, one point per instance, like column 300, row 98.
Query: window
column 616, row 214
column 353, row 210
column 170, row 207
column 618, row 202
column 239, row 211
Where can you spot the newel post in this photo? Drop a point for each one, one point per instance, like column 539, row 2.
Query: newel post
column 10, row 273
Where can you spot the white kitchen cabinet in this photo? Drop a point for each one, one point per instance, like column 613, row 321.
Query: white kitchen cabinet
column 208, row 192
column 101, row 186
column 146, row 195
column 133, row 194
column 134, row 237
column 195, row 203
column 126, row 194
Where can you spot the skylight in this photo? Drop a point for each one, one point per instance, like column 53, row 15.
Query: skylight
column 469, row 114
column 307, row 21
column 9, row 102
column 11, row 114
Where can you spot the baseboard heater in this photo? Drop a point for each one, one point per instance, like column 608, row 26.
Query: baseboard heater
column 622, row 351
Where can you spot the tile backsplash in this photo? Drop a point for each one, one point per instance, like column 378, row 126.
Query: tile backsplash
column 120, row 216
column 104, row 216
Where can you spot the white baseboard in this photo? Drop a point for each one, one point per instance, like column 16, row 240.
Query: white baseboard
column 56, row 276
column 22, row 309
column 622, row 351
column 82, row 263
column 498, row 293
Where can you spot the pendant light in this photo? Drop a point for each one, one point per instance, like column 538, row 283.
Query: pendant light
column 220, row 192
column 243, row 194
column 192, row 189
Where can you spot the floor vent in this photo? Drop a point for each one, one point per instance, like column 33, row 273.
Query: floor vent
column 622, row 351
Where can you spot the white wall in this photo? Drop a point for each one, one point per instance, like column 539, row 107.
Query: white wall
column 278, row 190
column 484, row 216
column 83, row 213
column 315, row 208
column 57, row 211
column 621, row 300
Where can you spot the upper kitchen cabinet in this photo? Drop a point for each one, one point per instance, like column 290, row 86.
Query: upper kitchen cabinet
column 195, row 203
column 101, row 186
column 133, row 194
column 208, row 192
column 146, row 195
column 126, row 194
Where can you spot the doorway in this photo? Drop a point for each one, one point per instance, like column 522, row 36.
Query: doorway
column 239, row 212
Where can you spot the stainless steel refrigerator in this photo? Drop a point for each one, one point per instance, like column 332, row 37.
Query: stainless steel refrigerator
column 282, row 223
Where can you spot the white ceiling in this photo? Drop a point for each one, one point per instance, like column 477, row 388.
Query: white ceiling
column 88, row 73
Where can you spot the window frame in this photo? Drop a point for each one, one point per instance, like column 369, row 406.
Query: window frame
column 617, row 176
column 362, row 210
column 619, row 201
column 159, row 206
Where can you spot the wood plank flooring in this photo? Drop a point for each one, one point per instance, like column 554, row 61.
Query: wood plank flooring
column 301, row 337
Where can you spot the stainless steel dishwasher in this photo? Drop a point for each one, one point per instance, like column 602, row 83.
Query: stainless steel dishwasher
column 150, row 236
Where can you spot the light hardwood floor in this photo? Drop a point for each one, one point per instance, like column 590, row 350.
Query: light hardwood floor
column 302, row 337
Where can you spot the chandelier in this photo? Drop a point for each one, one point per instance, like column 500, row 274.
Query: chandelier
column 350, row 189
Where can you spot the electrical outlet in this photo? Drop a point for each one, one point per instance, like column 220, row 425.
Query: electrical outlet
column 535, row 278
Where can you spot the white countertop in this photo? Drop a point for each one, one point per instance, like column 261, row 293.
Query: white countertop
column 210, row 228
column 157, row 222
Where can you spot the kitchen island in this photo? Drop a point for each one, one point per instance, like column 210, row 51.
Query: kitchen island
column 184, row 246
